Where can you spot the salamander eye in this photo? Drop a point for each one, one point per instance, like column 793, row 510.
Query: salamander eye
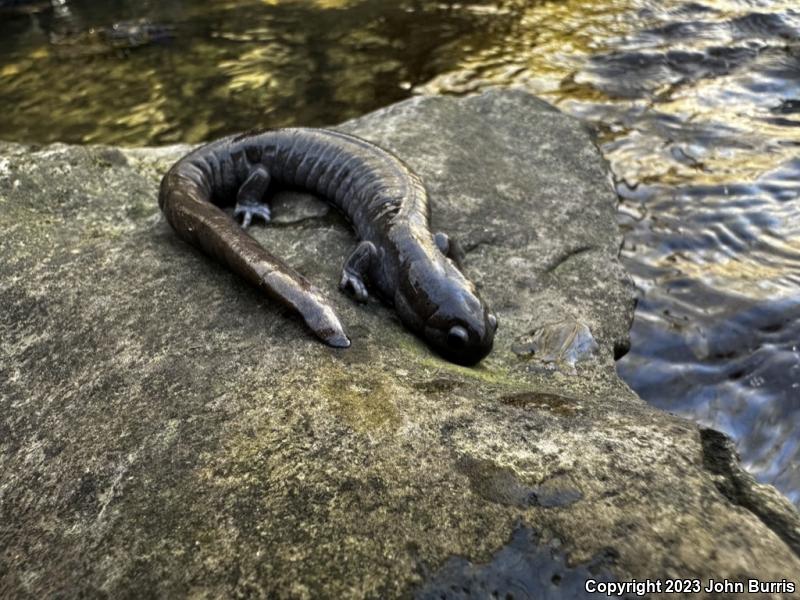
column 457, row 337
column 492, row 321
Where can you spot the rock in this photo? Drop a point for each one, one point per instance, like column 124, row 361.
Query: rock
column 167, row 431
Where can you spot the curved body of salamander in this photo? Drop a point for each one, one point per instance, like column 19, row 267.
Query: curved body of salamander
column 386, row 202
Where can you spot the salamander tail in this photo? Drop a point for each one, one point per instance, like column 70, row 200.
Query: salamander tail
column 205, row 226
column 311, row 305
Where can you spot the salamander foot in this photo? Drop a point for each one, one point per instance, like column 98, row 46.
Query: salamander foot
column 352, row 282
column 248, row 211
column 355, row 270
column 450, row 248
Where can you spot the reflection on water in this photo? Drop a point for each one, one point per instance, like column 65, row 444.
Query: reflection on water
column 697, row 105
column 197, row 70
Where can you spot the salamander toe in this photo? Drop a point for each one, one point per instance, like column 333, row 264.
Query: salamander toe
column 353, row 284
column 248, row 211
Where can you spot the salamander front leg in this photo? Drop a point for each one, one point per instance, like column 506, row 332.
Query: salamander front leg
column 450, row 248
column 355, row 270
column 249, row 200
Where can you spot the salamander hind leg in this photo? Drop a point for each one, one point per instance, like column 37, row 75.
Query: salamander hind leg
column 250, row 199
column 355, row 270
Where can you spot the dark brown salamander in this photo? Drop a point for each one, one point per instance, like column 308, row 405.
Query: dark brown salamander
column 386, row 202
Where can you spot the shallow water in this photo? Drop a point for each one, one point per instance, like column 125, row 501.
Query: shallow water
column 696, row 104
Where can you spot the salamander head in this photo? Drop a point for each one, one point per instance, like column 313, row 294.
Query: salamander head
column 436, row 300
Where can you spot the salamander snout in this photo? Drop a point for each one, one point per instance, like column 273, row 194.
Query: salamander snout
column 467, row 341
column 439, row 303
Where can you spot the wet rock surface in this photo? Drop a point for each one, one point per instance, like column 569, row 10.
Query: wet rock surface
column 167, row 431
column 523, row 568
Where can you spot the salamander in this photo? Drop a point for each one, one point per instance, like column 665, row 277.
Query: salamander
column 397, row 256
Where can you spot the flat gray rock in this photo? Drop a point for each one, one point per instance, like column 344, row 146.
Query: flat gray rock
column 167, row 431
